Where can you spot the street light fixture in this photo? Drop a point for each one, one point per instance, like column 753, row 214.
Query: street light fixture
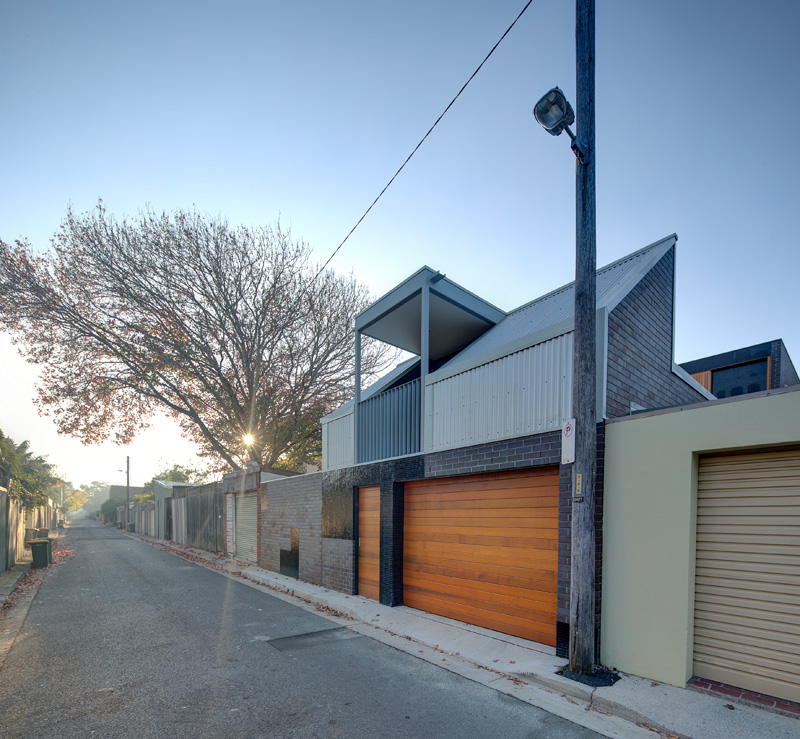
column 554, row 114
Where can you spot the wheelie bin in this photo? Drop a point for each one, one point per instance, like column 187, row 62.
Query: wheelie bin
column 39, row 551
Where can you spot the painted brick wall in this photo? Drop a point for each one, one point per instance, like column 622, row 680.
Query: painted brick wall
column 640, row 346
column 292, row 503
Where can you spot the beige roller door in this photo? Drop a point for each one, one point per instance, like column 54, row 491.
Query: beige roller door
column 484, row 549
column 747, row 587
column 246, row 529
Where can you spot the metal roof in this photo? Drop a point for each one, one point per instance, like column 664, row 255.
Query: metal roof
column 456, row 317
column 614, row 282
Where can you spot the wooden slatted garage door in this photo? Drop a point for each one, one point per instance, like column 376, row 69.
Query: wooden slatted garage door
column 369, row 513
column 484, row 550
column 747, row 587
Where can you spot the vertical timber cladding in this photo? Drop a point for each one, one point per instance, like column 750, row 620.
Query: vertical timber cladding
column 369, row 516
column 484, row 549
column 246, row 526
column 747, row 578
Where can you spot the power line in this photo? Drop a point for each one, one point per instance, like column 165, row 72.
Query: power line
column 422, row 140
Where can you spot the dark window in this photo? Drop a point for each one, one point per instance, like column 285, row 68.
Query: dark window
column 732, row 381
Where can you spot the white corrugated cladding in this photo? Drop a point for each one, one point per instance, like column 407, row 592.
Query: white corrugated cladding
column 747, row 587
column 340, row 442
column 247, row 526
column 527, row 392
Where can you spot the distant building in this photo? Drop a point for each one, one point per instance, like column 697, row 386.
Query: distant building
column 743, row 371
column 120, row 492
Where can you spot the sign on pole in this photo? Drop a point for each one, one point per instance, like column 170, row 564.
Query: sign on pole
column 568, row 442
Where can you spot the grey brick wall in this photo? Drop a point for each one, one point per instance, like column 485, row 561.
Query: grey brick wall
column 293, row 503
column 640, row 346
column 338, row 565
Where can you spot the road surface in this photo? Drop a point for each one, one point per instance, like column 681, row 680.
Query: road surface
column 126, row 640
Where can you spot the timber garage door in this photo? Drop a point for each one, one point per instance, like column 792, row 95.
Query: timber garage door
column 246, row 529
column 747, row 585
column 484, row 549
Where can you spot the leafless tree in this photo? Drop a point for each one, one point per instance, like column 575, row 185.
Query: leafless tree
column 229, row 330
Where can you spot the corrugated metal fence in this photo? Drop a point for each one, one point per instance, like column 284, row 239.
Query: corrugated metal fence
column 197, row 516
column 145, row 517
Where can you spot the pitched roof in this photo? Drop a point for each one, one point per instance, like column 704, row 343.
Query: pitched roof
column 614, row 282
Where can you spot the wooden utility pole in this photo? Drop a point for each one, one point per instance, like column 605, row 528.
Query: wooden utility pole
column 584, row 394
column 127, row 491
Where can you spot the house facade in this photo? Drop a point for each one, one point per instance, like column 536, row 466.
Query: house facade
column 442, row 485
column 751, row 369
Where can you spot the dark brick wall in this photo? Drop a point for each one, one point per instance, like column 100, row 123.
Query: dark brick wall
column 783, row 370
column 339, row 515
column 391, row 542
column 509, row 454
column 640, row 346
column 292, row 503
column 338, row 565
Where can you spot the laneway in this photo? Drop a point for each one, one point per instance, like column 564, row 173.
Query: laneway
column 126, row 640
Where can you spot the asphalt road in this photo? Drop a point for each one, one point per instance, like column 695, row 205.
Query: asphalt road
column 124, row 639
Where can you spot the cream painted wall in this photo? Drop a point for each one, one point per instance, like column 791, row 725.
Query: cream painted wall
column 649, row 515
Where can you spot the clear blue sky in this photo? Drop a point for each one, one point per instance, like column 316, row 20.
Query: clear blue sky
column 259, row 110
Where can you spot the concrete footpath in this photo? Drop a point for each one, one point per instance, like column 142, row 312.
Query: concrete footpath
column 10, row 578
column 524, row 669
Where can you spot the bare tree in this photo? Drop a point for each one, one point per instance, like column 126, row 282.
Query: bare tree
column 229, row 330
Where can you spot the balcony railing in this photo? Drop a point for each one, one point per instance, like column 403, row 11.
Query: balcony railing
column 389, row 424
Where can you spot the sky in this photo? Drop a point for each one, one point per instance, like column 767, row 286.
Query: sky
column 269, row 110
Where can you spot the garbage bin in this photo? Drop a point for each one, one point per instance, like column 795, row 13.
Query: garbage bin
column 49, row 551
column 132, row 527
column 31, row 534
column 39, row 552
column 119, row 524
column 43, row 533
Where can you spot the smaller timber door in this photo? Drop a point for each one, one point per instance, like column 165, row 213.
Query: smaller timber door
column 369, row 518
column 246, row 527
